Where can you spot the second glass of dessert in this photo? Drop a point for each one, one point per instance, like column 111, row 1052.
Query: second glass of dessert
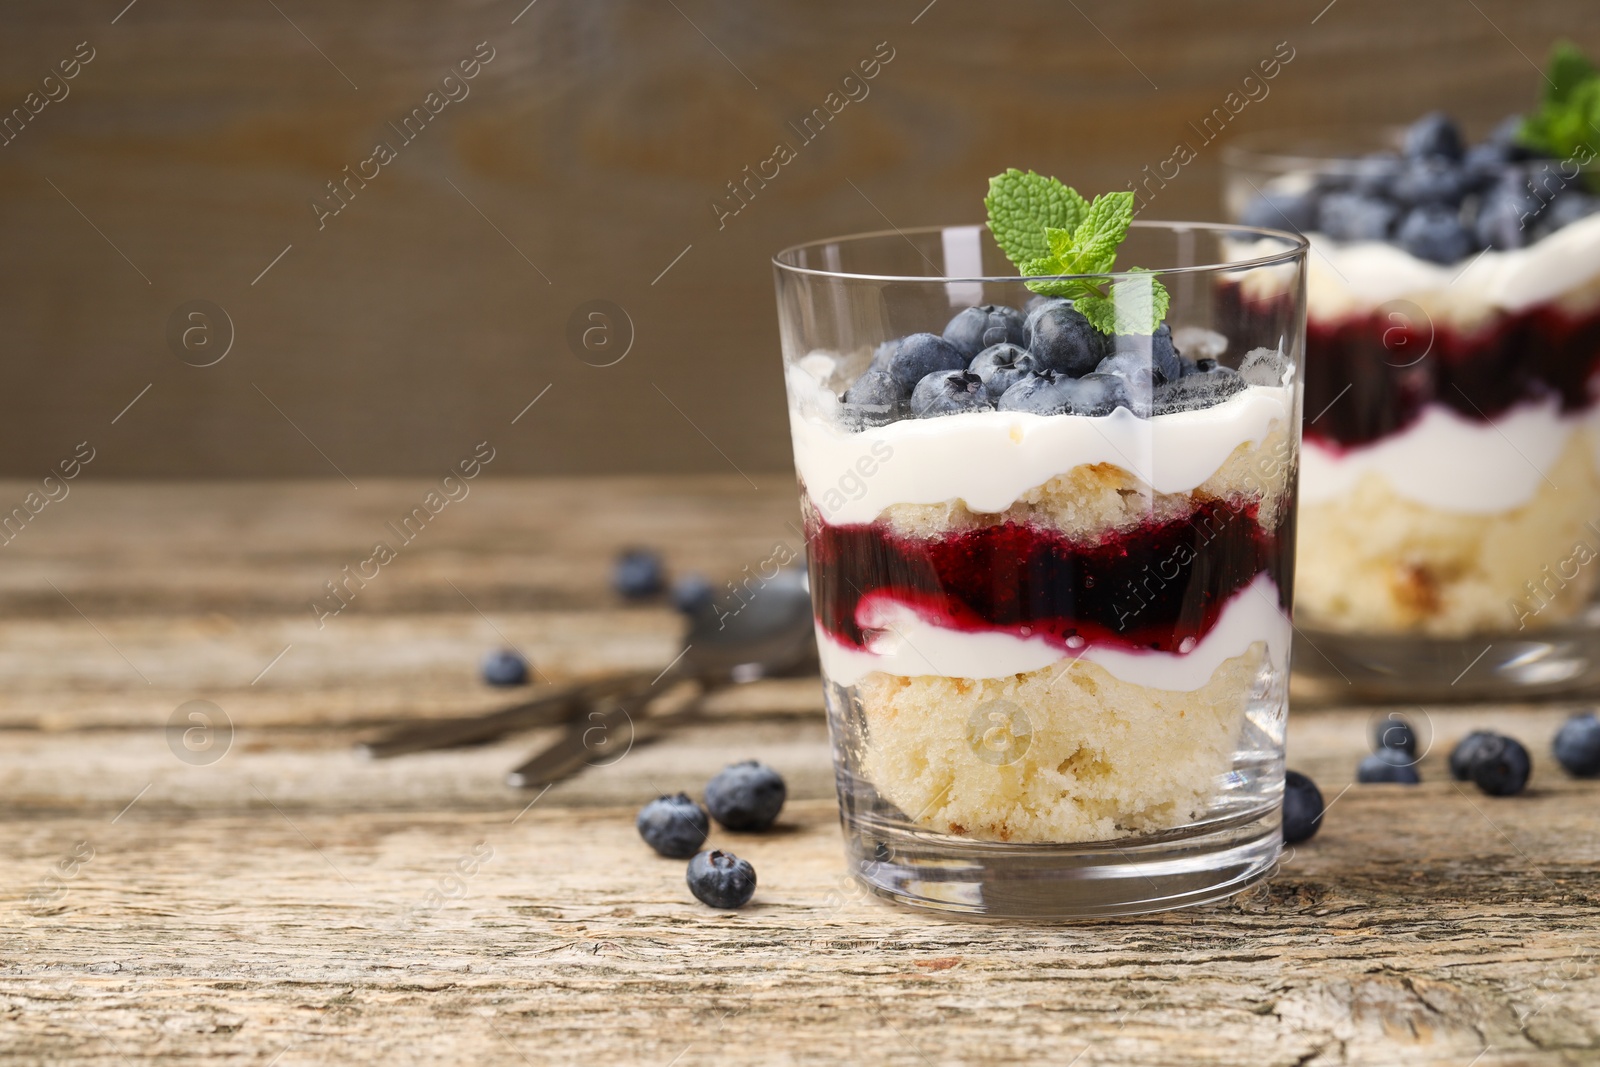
column 1451, row 474
column 1050, row 524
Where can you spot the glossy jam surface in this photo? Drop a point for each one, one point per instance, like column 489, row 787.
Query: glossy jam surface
column 1152, row 588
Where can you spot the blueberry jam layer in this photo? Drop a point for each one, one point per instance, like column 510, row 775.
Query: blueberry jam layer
column 1149, row 589
column 1394, row 363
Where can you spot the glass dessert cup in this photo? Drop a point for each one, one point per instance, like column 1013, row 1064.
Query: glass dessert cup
column 1450, row 488
column 1054, row 644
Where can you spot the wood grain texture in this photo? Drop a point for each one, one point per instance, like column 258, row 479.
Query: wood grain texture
column 584, row 162
column 292, row 903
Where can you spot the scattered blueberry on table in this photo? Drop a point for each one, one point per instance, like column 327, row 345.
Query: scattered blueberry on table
column 691, row 593
column 1388, row 766
column 1577, row 745
column 721, row 879
column 746, row 796
column 1500, row 766
column 1302, row 808
column 638, row 574
column 504, row 667
column 1394, row 731
column 1462, row 755
column 674, row 826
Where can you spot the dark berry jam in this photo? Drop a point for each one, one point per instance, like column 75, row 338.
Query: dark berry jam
column 1370, row 376
column 1145, row 589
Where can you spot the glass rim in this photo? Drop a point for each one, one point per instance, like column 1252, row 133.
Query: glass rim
column 1297, row 246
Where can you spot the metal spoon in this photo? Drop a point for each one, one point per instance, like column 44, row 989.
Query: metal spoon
column 770, row 635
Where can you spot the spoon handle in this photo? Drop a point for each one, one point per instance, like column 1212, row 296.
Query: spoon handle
column 547, row 710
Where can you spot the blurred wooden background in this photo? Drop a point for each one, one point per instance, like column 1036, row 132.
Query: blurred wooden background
column 182, row 161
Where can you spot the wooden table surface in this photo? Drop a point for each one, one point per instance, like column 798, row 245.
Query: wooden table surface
column 290, row 903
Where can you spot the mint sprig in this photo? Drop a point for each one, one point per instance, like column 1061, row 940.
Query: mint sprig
column 1566, row 125
column 1045, row 227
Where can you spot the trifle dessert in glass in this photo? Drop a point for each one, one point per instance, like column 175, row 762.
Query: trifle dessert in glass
column 1050, row 525
column 1451, row 472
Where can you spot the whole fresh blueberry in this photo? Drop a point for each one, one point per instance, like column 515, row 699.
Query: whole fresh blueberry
column 883, row 354
column 1577, row 746
column 1302, row 808
column 1434, row 232
column 876, row 389
column 1353, row 217
column 1277, row 209
column 504, row 666
column 1042, row 392
column 673, row 826
column 1506, row 215
column 1206, row 386
column 1506, row 133
column 1157, row 348
column 1388, row 765
column 1134, row 370
column 1101, row 394
column 949, row 393
column 1430, row 180
column 692, row 593
column 1000, row 367
column 746, row 796
column 638, row 574
column 919, row 355
column 1394, row 731
column 1062, row 340
column 1500, row 766
column 1484, row 164
column 721, row 879
column 977, row 328
column 1375, row 175
column 1434, row 134
column 1464, row 753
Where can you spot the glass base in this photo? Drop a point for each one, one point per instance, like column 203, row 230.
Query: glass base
column 1128, row 876
column 1401, row 666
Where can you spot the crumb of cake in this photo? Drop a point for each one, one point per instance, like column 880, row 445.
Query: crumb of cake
column 1092, row 500
column 1374, row 562
column 1092, row 757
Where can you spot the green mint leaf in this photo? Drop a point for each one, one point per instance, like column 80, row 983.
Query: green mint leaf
column 1136, row 305
column 1565, row 123
column 1104, row 227
column 1022, row 205
column 1569, row 68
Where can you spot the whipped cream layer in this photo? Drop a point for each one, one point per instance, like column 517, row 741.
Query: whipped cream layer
column 908, row 644
column 1452, row 463
column 989, row 459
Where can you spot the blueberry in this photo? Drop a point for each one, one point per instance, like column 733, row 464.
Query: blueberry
column 1433, row 135
column 1500, row 766
column 1464, row 753
column 876, row 392
column 920, row 355
column 949, row 393
column 1506, row 133
column 1302, row 808
column 1101, row 394
column 1484, row 164
column 1206, row 386
column 1375, row 175
column 1434, row 232
column 977, row 328
column 1430, row 180
column 1000, row 367
column 1135, row 371
column 721, row 879
column 673, row 826
column 1353, row 217
column 638, row 574
column 1061, row 340
column 1034, row 303
column 1506, row 214
column 1577, row 746
column 1281, row 210
column 1388, row 765
column 504, row 666
column 746, row 796
column 1393, row 731
column 1157, row 348
column 883, row 354
column 1039, row 393
column 691, row 593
